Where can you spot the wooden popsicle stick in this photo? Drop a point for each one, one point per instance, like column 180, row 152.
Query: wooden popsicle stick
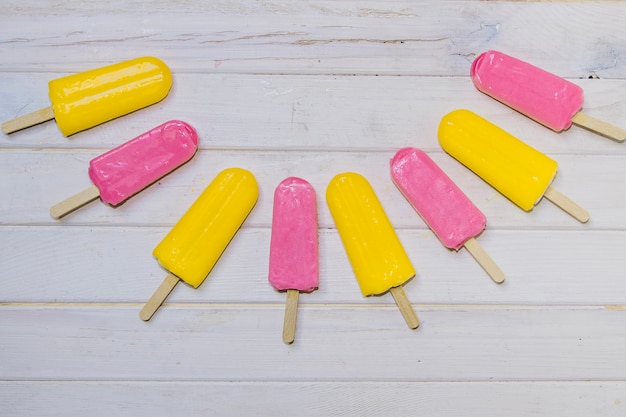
column 599, row 126
column 405, row 307
column 567, row 205
column 483, row 258
column 291, row 313
column 74, row 202
column 27, row 120
column 158, row 297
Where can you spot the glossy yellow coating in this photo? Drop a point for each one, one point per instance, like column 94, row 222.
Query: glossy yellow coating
column 81, row 101
column 375, row 252
column 195, row 243
column 512, row 167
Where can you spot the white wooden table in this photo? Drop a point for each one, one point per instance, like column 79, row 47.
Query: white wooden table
column 310, row 89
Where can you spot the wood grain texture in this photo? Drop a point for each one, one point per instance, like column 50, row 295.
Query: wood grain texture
column 310, row 89
column 600, row 127
column 566, row 204
column 120, row 268
column 405, row 307
column 291, row 316
column 338, row 37
column 188, row 343
column 315, row 399
column 158, row 297
column 74, row 202
column 484, row 260
column 28, row 120
column 590, row 180
column 308, row 112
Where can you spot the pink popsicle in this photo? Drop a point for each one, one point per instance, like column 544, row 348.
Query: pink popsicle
column 294, row 260
column 440, row 202
column 542, row 96
column 129, row 168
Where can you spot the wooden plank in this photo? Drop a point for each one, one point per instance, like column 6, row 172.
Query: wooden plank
column 298, row 112
column 324, row 398
column 317, row 37
column 38, row 180
column 199, row 343
column 96, row 264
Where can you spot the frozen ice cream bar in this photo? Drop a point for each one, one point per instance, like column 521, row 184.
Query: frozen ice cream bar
column 129, row 168
column 378, row 259
column 294, row 249
column 544, row 97
column 294, row 259
column 191, row 249
column 440, row 202
column 518, row 171
column 84, row 100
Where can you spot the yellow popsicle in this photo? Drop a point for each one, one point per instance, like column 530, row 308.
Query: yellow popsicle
column 518, row 171
column 192, row 248
column 377, row 257
column 81, row 101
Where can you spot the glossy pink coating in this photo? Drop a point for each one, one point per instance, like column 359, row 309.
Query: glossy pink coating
column 294, row 259
column 132, row 166
column 538, row 94
column 437, row 199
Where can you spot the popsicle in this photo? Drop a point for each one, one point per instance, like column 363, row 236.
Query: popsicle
column 449, row 213
column 378, row 259
column 518, row 171
column 544, row 97
column 84, row 100
column 193, row 246
column 294, row 260
column 129, row 168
